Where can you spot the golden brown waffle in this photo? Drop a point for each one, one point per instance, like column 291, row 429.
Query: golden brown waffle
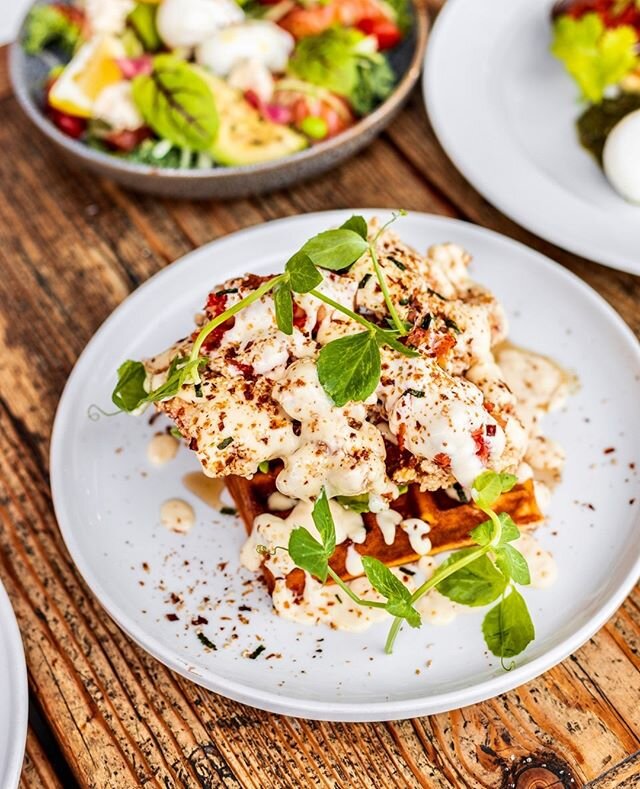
column 450, row 521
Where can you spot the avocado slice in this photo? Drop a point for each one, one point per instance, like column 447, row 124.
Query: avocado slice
column 244, row 136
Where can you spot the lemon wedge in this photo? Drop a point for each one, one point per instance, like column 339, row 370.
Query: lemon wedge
column 92, row 69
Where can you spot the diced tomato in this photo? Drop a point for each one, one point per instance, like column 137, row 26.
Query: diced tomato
column 613, row 13
column 301, row 21
column 216, row 305
column 482, row 448
column 299, row 316
column 386, row 32
column 68, row 124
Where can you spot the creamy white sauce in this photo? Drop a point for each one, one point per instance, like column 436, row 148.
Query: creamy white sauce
column 277, row 502
column 260, row 40
column 207, row 489
column 187, row 23
column 162, row 448
column 353, row 562
column 115, row 106
column 387, row 522
column 435, row 608
column 417, row 531
column 177, row 515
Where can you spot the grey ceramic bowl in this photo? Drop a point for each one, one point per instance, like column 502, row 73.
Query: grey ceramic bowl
column 28, row 75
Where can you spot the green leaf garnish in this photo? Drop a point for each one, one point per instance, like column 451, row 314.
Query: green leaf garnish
column 303, row 275
column 143, row 21
column 305, row 550
column 355, row 503
column 489, row 486
column 335, row 249
column 388, row 585
column 596, row 57
column 483, row 533
column 479, row 583
column 508, row 628
column 130, row 393
column 349, row 367
column 308, row 554
column 283, row 304
column 358, row 224
column 513, row 564
column 177, row 103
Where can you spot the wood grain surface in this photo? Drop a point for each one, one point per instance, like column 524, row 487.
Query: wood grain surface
column 71, row 248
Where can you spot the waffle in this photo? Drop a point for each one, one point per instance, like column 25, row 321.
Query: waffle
column 450, row 521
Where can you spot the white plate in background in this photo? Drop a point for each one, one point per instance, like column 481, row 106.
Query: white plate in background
column 107, row 499
column 504, row 110
column 14, row 696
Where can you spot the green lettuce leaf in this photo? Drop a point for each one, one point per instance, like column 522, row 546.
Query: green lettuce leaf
column 47, row 25
column 342, row 61
column 594, row 56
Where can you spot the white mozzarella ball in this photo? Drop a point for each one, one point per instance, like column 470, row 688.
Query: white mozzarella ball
column 621, row 157
column 256, row 39
column 187, row 23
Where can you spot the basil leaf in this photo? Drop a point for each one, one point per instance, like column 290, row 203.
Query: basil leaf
column 508, row 628
column 476, row 584
column 483, row 533
column 303, row 275
column 355, row 503
column 284, row 307
column 349, row 367
column 391, row 587
column 513, row 564
column 323, row 521
column 143, row 21
column 335, row 249
column 177, row 103
column 358, row 224
column 130, row 393
column 308, row 554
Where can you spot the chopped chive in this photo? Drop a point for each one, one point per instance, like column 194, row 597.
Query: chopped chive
column 198, row 390
column 402, row 489
column 435, row 293
column 339, row 599
column 414, row 392
column 205, row 641
column 398, row 263
column 225, row 442
column 263, row 467
column 228, row 511
column 426, row 321
column 176, row 433
column 405, row 302
column 364, row 281
column 451, row 324
column 407, row 570
column 225, row 291
column 462, row 496
column 257, row 652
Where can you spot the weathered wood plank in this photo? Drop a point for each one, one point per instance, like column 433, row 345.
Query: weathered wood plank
column 37, row 771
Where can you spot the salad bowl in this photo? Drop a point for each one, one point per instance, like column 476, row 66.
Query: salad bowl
column 29, row 74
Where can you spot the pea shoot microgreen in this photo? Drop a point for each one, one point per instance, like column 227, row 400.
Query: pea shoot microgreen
column 348, row 368
column 475, row 576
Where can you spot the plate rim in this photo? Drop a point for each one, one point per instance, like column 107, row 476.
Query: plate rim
column 12, row 770
column 334, row 710
column 470, row 171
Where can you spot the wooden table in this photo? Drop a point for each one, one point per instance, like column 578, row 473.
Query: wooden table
column 104, row 713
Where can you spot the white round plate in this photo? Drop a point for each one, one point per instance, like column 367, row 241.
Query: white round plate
column 107, row 499
column 504, row 110
column 14, row 696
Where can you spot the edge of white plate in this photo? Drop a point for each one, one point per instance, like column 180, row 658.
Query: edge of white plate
column 589, row 251
column 10, row 772
column 336, row 710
